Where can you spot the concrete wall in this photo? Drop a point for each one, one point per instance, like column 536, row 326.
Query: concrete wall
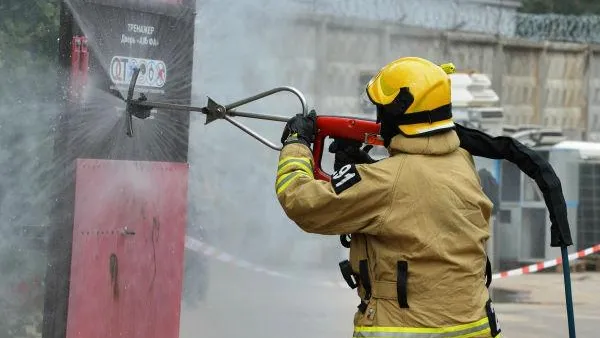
column 553, row 84
column 548, row 83
column 330, row 58
column 486, row 16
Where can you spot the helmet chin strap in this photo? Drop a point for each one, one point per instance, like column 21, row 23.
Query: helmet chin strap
column 388, row 127
column 389, row 114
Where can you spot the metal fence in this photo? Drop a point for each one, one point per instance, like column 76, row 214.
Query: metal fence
column 583, row 29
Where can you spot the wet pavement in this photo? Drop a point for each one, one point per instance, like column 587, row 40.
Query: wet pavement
column 542, row 312
column 250, row 304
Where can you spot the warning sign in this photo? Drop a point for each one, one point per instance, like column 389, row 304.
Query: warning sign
column 153, row 73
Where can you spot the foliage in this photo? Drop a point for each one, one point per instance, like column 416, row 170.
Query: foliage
column 28, row 43
column 569, row 7
column 28, row 56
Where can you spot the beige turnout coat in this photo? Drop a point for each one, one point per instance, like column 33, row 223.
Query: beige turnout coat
column 420, row 213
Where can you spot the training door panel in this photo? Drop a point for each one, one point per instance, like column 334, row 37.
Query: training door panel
column 128, row 247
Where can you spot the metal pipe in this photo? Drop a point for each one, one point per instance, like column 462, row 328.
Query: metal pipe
column 271, row 92
column 252, row 133
column 229, row 108
column 214, row 110
column 173, row 106
column 568, row 292
column 259, row 116
column 128, row 107
column 170, row 106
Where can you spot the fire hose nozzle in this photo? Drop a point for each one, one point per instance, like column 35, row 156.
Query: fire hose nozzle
column 140, row 111
column 133, row 107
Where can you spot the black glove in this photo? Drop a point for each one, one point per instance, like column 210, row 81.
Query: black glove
column 300, row 129
column 349, row 152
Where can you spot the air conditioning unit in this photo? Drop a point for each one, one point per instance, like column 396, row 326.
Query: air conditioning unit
column 475, row 104
column 483, row 94
column 461, row 95
column 536, row 136
column 488, row 119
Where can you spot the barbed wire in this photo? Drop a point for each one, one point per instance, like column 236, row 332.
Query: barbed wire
column 582, row 29
column 455, row 15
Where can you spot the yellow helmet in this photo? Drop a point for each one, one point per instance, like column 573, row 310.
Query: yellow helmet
column 413, row 97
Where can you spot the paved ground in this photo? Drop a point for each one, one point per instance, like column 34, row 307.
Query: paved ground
column 248, row 304
column 544, row 313
column 253, row 305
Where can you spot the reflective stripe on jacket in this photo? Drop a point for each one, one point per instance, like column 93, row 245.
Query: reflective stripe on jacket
column 480, row 328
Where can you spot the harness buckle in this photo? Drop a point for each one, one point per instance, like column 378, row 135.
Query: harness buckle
column 348, row 274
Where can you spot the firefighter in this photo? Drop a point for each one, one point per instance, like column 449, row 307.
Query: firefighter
column 418, row 219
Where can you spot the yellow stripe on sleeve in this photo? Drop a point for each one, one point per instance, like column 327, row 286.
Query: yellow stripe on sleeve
column 286, row 179
column 288, row 163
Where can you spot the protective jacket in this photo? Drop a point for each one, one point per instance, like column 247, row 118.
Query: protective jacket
column 419, row 226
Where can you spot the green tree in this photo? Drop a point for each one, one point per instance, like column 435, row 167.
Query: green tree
column 569, row 7
column 28, row 56
column 28, row 42
column 560, row 20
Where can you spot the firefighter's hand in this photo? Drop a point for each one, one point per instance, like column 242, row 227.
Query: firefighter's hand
column 300, row 129
column 349, row 152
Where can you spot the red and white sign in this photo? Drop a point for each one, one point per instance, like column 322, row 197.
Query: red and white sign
column 153, row 73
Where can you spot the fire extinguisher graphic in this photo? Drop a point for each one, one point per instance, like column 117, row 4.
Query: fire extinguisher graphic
column 79, row 68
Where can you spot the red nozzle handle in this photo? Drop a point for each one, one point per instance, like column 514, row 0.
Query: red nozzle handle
column 351, row 128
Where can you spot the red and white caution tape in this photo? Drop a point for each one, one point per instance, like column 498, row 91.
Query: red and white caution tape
column 547, row 264
column 203, row 248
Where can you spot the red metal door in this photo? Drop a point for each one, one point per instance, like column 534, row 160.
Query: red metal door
column 128, row 247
